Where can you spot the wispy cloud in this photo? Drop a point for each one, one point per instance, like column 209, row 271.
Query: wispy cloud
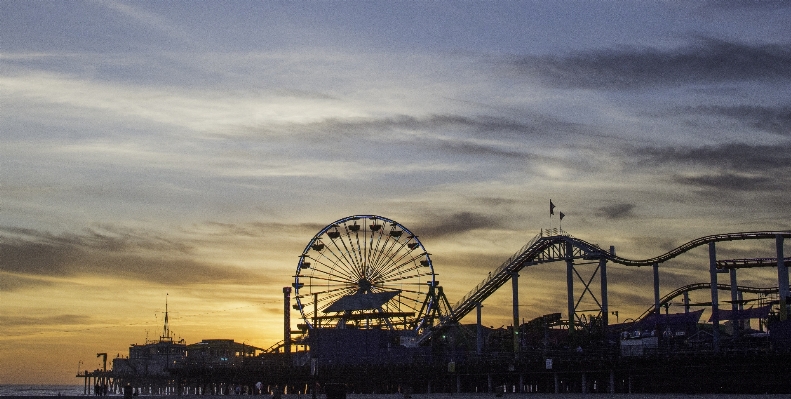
column 737, row 157
column 147, row 19
column 775, row 120
column 126, row 256
column 731, row 182
column 707, row 61
column 60, row 320
column 457, row 223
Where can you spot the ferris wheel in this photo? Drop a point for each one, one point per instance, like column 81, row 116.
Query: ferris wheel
column 364, row 271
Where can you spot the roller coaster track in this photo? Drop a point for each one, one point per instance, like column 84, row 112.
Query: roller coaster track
column 757, row 235
column 705, row 286
column 552, row 248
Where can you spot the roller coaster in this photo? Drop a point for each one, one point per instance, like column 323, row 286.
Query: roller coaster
column 553, row 246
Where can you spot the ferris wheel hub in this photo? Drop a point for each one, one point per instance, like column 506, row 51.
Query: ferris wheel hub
column 364, row 286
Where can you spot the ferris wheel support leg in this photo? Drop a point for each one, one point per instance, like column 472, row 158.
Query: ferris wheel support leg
column 782, row 278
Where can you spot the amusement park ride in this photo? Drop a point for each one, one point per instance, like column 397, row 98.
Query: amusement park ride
column 369, row 301
column 367, row 271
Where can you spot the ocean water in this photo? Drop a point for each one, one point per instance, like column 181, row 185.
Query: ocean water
column 41, row 390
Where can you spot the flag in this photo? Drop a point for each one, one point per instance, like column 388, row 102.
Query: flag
column 551, row 208
column 561, row 215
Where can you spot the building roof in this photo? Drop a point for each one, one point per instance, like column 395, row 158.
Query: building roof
column 366, row 301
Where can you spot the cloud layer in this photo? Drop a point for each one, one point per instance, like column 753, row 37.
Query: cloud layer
column 195, row 149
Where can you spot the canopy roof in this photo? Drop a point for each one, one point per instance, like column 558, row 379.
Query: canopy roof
column 364, row 301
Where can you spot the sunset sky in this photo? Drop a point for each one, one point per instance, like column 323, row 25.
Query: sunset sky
column 192, row 149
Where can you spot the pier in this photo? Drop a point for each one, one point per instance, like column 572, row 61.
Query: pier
column 361, row 328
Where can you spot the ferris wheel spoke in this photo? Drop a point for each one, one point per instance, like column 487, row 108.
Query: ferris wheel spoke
column 360, row 254
column 404, row 292
column 391, row 251
column 380, row 247
column 331, row 291
column 387, row 247
column 406, row 267
column 409, row 264
column 384, row 262
column 330, row 279
column 404, row 299
column 343, row 266
column 329, row 272
column 356, row 261
column 405, row 277
column 345, row 259
column 401, row 254
column 408, row 251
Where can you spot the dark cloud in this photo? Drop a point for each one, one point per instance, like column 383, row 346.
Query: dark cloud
column 482, row 124
column 476, row 151
column 456, row 223
column 729, row 182
column 105, row 237
column 740, row 5
column 260, row 229
column 41, row 321
column 739, row 157
column 768, row 192
column 28, row 253
column 616, row 211
column 10, row 282
column 770, row 119
column 706, row 61
column 653, row 246
column 492, row 202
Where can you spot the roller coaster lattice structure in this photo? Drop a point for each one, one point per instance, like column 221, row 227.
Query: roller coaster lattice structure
column 559, row 246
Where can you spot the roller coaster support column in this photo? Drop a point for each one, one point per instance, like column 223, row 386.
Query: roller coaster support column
column 735, row 323
column 605, row 307
column 479, row 329
column 782, row 278
column 515, row 287
column 715, row 307
column 657, row 309
column 570, row 283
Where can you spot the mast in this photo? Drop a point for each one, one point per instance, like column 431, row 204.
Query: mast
column 166, row 329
